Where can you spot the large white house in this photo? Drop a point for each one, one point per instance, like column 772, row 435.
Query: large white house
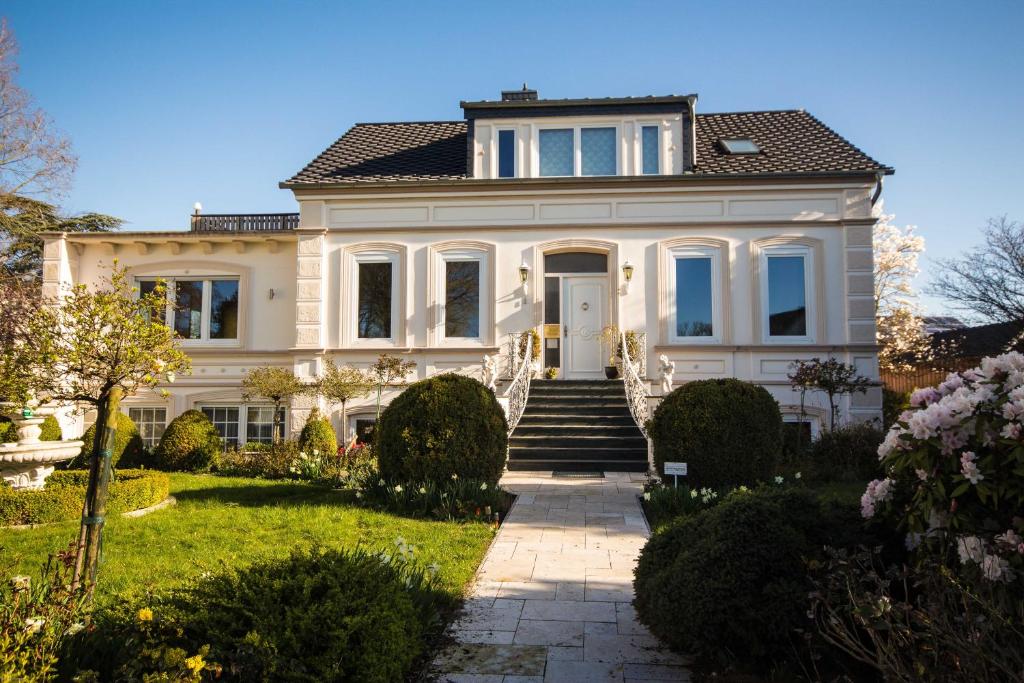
column 732, row 243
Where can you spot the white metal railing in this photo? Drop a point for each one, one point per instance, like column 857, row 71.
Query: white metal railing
column 521, row 368
column 636, row 388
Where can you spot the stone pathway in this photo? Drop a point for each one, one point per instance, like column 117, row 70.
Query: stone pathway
column 551, row 601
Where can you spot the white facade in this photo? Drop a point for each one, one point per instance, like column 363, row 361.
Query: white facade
column 298, row 291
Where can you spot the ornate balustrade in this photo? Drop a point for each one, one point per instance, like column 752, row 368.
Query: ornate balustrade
column 633, row 370
column 520, row 364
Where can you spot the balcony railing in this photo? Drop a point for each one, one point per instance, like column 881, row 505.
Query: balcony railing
column 244, row 222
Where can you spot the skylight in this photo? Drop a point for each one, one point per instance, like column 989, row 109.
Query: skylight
column 739, row 146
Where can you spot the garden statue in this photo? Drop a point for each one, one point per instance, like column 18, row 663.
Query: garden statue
column 667, row 368
column 491, row 371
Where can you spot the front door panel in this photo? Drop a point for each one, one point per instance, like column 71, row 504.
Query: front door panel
column 585, row 300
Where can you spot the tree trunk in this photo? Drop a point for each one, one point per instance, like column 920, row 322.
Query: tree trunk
column 95, row 509
column 275, row 438
column 344, row 428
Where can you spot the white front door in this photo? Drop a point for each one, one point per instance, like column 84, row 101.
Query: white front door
column 584, row 300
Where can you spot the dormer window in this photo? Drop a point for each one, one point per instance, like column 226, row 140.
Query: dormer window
column 649, row 154
column 739, row 146
column 579, row 151
column 507, row 153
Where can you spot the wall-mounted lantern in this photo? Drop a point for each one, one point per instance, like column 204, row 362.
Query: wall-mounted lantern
column 524, row 276
column 627, row 273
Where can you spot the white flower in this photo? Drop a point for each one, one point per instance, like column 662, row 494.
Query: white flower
column 693, row 493
column 380, row 482
column 75, row 628
column 359, row 495
column 1011, row 430
column 170, row 377
column 399, row 541
column 1011, row 539
column 398, row 488
column 20, row 583
column 316, row 451
column 455, row 477
column 483, row 486
column 995, row 568
column 921, row 474
column 878, row 491
column 647, row 495
column 969, row 468
column 779, row 480
column 798, row 475
column 34, row 625
column 423, row 489
column 970, row 549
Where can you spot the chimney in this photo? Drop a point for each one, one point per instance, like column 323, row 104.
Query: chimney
column 524, row 95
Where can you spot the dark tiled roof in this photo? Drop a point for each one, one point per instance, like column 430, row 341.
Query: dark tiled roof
column 791, row 142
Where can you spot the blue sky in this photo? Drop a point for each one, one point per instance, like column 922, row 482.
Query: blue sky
column 172, row 103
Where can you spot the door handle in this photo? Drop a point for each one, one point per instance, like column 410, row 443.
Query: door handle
column 566, row 329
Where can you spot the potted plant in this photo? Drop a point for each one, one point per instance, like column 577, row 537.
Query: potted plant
column 610, row 336
column 551, row 373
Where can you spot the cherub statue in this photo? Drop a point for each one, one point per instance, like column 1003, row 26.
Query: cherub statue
column 491, row 371
column 667, row 368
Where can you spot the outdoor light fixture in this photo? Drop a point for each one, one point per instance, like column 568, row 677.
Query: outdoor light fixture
column 198, row 208
column 627, row 273
column 524, row 275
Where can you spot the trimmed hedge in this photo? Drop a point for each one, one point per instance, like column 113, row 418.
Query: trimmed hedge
column 50, row 430
column 447, row 424
column 190, row 444
column 848, row 453
column 318, row 435
column 727, row 431
column 128, row 445
column 318, row 615
column 64, row 494
column 728, row 584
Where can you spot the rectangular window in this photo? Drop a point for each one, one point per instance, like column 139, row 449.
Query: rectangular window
column 225, row 419
column 148, row 287
column 506, row 154
column 151, row 423
column 597, row 151
column 259, row 424
column 787, row 296
column 364, row 429
column 556, row 152
column 650, row 150
column 462, row 299
column 693, row 294
column 223, row 309
column 374, row 305
column 188, row 309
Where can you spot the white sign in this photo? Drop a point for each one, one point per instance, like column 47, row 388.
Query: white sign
column 675, row 468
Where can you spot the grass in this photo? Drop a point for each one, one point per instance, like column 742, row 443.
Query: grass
column 233, row 521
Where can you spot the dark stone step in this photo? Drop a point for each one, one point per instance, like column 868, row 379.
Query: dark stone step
column 618, row 419
column 576, row 383
column 577, row 429
column 582, row 443
column 573, row 453
column 608, row 465
column 577, row 402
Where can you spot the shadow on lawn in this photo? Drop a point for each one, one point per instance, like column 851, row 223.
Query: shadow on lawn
column 255, row 496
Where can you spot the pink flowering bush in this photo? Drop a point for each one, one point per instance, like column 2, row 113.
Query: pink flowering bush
column 955, row 472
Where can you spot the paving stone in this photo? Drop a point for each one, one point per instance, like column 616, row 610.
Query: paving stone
column 655, row 672
column 571, row 590
column 583, row 672
column 484, row 636
column 565, row 633
column 528, row 590
column 469, row 658
column 632, row 649
column 471, row 678
column 568, row 654
column 555, row 610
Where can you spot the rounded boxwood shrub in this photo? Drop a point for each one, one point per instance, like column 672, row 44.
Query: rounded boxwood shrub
column 728, row 584
column 318, row 615
column 190, row 443
column 64, row 494
column 50, row 430
column 128, row 446
column 7, row 431
column 318, row 435
column 726, row 430
column 447, row 424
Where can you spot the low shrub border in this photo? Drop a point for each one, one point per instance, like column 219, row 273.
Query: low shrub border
column 65, row 491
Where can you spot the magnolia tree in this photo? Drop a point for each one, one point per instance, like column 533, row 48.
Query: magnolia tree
column 90, row 348
column 278, row 385
column 341, row 384
column 901, row 333
column 831, row 377
column 955, row 472
column 388, row 370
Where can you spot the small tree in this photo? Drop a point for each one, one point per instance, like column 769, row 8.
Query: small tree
column 276, row 384
column 92, row 348
column 389, row 370
column 341, row 385
column 831, row 376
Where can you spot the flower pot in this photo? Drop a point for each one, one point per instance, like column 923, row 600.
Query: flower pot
column 611, row 372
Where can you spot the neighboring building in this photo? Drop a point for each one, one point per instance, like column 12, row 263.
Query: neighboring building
column 747, row 237
column 941, row 323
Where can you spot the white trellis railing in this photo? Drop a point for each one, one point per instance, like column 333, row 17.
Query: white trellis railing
column 520, row 365
column 636, row 388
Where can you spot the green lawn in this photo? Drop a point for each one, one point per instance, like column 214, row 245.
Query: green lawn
column 229, row 521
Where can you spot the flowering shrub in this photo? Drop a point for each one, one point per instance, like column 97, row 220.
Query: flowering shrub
column 454, row 498
column 955, row 466
column 36, row 617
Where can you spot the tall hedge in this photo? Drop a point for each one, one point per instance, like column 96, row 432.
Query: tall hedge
column 190, row 443
column 726, row 430
column 128, row 445
column 447, row 424
column 318, row 435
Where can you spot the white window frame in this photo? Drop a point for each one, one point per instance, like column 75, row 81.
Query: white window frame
column 243, row 416
column 441, row 287
column 807, row 253
column 356, row 415
column 204, row 339
column 696, row 252
column 577, row 146
column 497, row 153
column 130, row 408
column 375, row 256
column 640, row 125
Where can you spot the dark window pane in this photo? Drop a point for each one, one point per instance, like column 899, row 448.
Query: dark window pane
column 597, row 151
column 375, row 300
column 188, row 311
column 462, row 299
column 364, row 430
column 576, row 262
column 226, row 422
column 556, row 152
column 552, row 300
column 693, row 297
column 787, row 299
column 649, row 143
column 224, row 309
column 506, row 153
column 148, row 288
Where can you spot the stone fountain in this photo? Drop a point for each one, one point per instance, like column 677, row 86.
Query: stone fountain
column 27, row 463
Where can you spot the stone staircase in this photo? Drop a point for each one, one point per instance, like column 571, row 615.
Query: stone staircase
column 577, row 425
